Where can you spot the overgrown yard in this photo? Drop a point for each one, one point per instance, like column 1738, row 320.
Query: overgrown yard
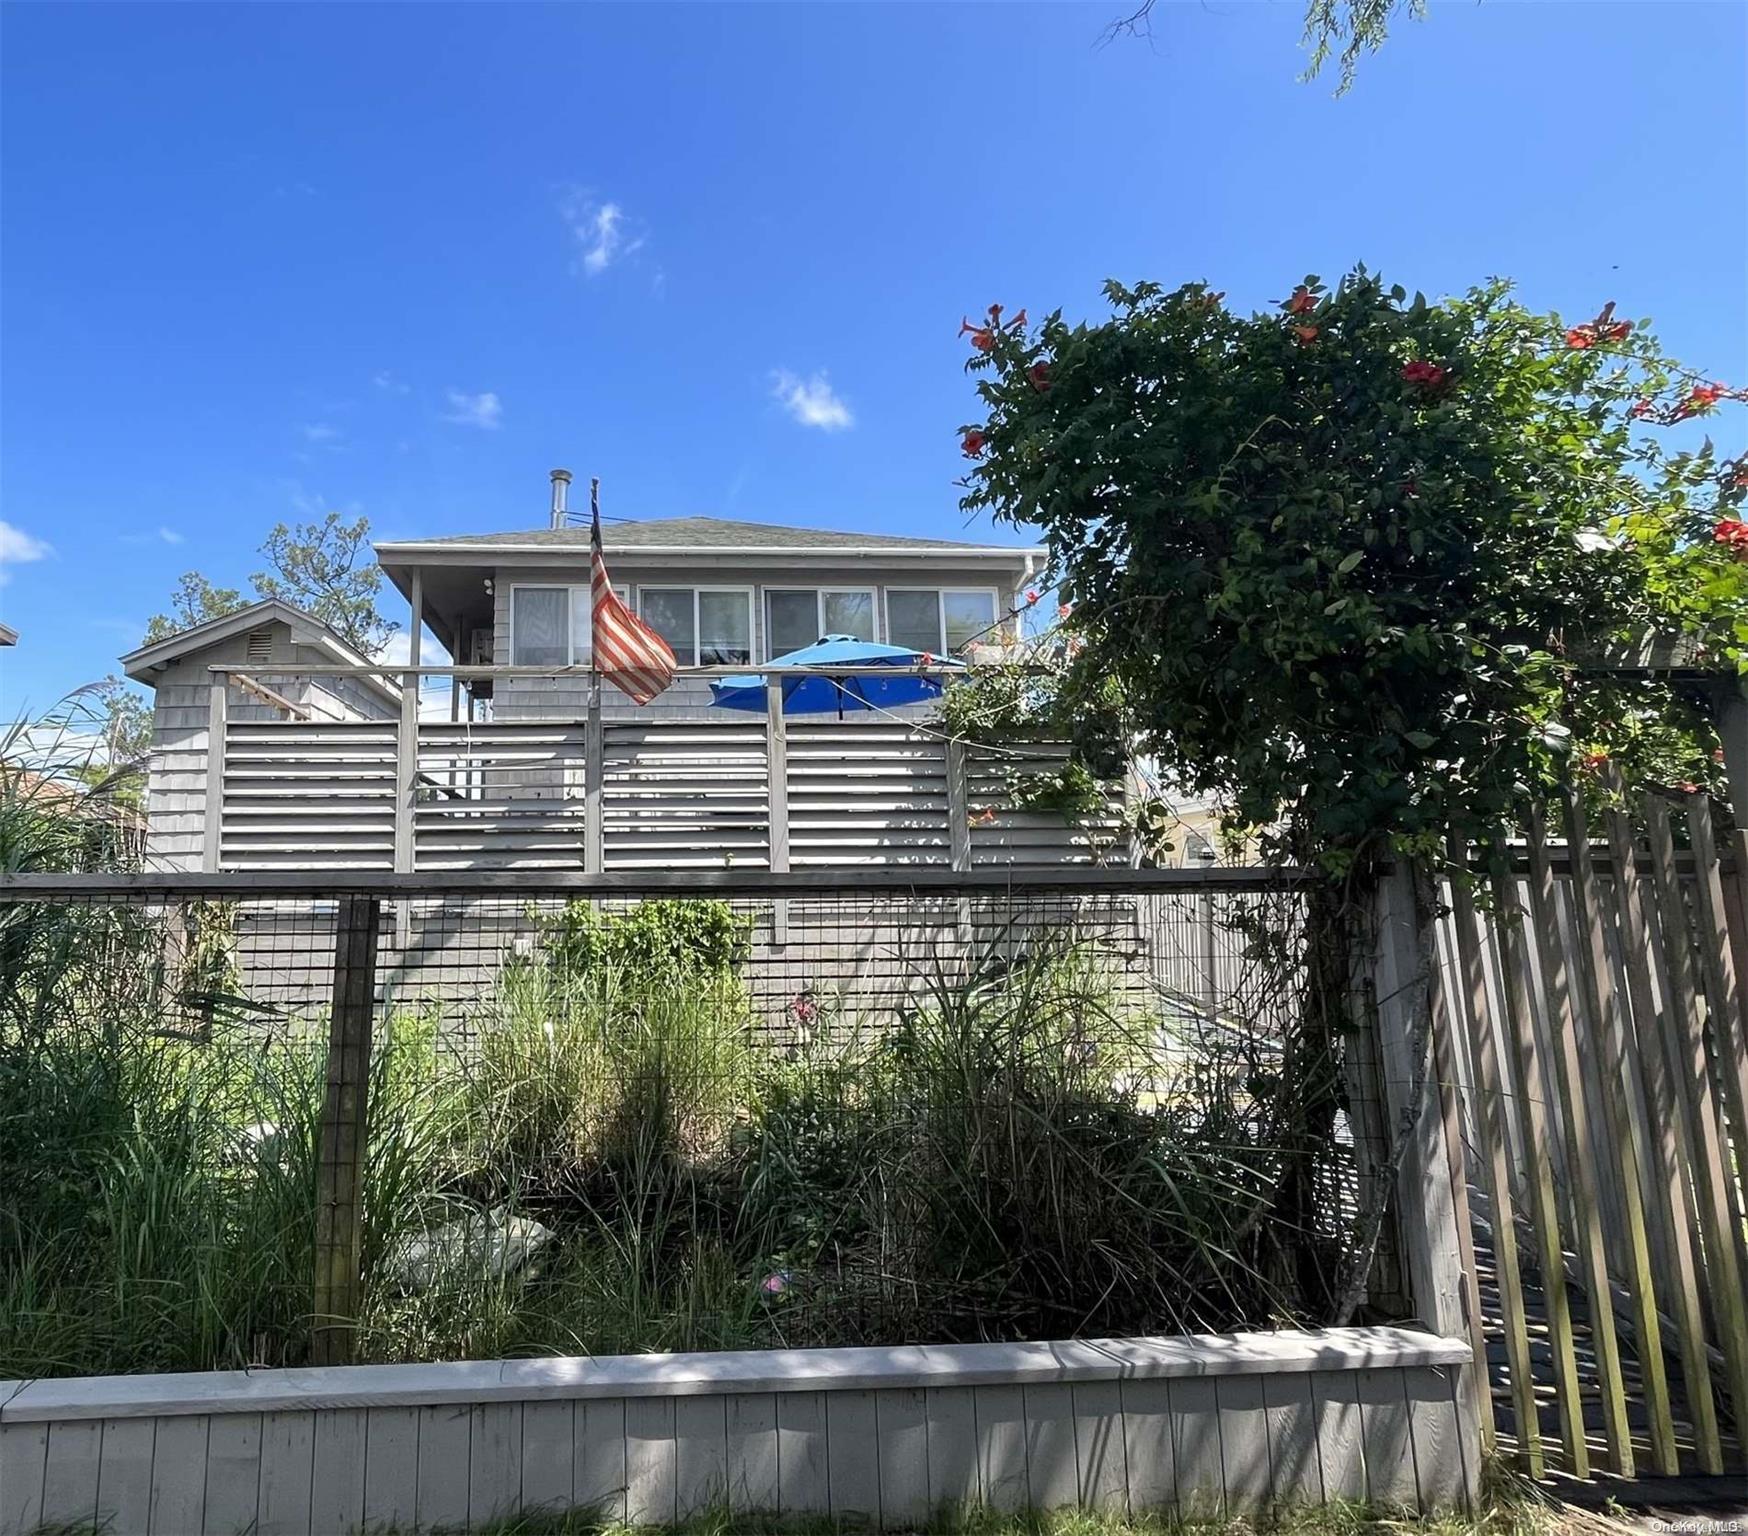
column 1016, row 1152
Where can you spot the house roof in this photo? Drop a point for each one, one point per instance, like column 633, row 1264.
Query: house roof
column 8, row 635
column 142, row 664
column 701, row 533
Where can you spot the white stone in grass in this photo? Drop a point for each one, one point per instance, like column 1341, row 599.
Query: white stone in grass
column 262, row 1142
column 492, row 1243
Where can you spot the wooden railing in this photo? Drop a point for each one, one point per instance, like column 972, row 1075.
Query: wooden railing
column 583, row 792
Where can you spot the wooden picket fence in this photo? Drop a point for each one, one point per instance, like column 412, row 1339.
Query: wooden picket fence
column 1593, row 1023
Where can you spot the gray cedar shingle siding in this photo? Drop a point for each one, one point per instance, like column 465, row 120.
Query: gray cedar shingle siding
column 176, row 772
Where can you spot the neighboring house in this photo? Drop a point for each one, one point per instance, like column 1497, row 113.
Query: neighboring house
column 8, row 636
column 272, row 640
column 720, row 592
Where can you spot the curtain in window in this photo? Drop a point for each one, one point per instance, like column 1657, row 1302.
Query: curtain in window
column 540, row 625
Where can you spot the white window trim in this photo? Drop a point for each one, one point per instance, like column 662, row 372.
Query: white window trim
column 940, row 593
column 749, row 593
column 871, row 593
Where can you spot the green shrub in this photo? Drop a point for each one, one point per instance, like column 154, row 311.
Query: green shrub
column 654, row 941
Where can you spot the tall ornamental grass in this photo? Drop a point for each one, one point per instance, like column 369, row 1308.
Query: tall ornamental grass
column 1018, row 1149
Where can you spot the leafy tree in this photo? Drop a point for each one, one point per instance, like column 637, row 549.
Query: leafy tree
column 127, row 721
column 317, row 567
column 1352, row 26
column 321, row 567
column 1345, row 560
column 195, row 601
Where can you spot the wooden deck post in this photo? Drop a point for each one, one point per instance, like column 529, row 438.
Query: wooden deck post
column 341, row 1148
column 212, row 834
column 406, row 773
column 777, row 800
column 1431, row 1189
column 594, row 782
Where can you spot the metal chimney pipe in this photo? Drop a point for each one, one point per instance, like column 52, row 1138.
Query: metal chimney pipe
column 560, row 479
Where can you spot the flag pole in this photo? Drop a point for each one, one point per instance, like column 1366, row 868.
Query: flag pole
column 595, row 536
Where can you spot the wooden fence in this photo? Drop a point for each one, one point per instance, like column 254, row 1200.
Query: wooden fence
column 1594, row 1026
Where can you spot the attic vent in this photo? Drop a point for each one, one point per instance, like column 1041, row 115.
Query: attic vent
column 260, row 650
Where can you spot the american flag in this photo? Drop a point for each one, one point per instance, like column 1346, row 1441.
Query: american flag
column 628, row 653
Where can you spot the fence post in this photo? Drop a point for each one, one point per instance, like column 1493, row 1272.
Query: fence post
column 1732, row 723
column 212, row 835
column 341, row 1148
column 1210, row 956
column 777, row 800
column 594, row 782
column 1430, row 1189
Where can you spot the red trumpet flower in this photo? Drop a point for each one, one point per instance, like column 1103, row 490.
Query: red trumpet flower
column 1603, row 328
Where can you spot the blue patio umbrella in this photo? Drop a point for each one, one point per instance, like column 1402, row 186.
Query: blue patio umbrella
column 851, row 676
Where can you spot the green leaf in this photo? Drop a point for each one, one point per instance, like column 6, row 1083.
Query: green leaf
column 1350, row 561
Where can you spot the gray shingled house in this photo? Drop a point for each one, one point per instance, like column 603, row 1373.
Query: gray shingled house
column 279, row 747
column 720, row 592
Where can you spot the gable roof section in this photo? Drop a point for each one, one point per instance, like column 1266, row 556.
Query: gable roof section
column 306, row 629
column 8, row 635
column 697, row 534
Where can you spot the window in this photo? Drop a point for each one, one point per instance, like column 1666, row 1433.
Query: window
column 706, row 626
column 797, row 616
column 549, row 626
column 939, row 622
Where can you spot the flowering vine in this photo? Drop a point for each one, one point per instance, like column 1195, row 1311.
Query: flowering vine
column 1340, row 563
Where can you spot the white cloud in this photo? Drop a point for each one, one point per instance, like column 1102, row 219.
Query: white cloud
column 602, row 232
column 481, row 410
column 434, row 692
column 19, row 548
column 321, row 432
column 160, row 533
column 811, row 401
column 388, row 383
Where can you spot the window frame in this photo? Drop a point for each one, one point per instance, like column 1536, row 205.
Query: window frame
column 570, row 589
column 871, row 593
column 620, row 590
column 695, row 588
column 940, row 594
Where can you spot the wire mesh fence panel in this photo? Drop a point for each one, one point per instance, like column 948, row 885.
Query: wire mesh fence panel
column 622, row 1119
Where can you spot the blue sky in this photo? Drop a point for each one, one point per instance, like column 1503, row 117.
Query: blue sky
column 261, row 261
